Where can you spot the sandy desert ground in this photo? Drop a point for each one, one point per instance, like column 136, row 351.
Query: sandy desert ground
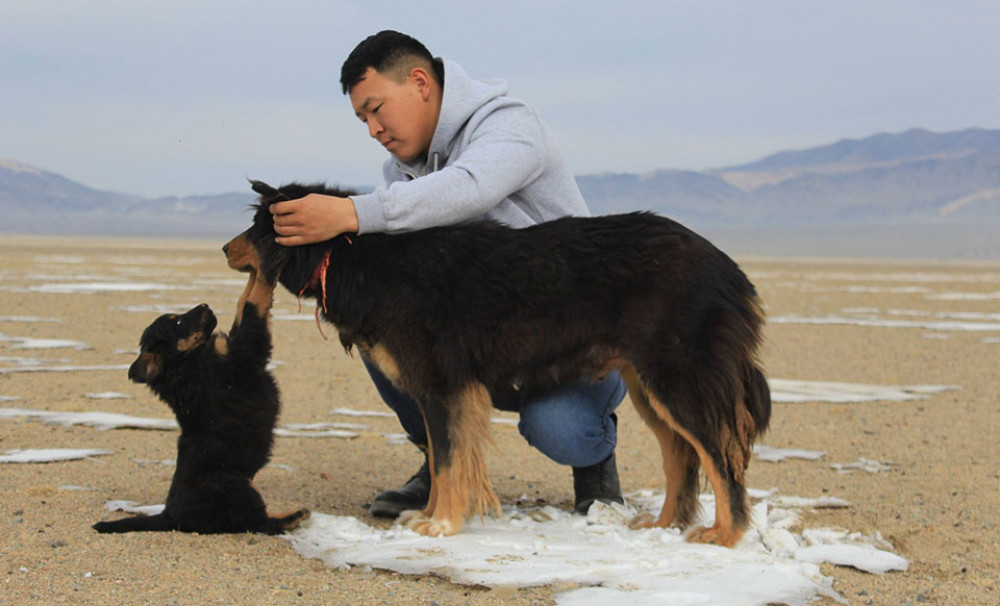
column 857, row 321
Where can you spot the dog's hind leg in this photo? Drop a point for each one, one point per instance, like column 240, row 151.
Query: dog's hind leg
column 732, row 515
column 460, row 484
column 680, row 463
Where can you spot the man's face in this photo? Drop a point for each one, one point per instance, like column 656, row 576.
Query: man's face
column 399, row 115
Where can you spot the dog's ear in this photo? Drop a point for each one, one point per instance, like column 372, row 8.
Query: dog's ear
column 145, row 368
column 263, row 188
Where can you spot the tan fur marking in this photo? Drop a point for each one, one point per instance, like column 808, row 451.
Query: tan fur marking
column 672, row 465
column 386, row 363
column 189, row 343
column 463, row 487
column 241, row 254
column 257, row 291
column 468, row 433
column 149, row 365
column 722, row 531
column 222, row 345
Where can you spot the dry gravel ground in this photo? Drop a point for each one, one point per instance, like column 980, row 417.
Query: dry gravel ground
column 937, row 505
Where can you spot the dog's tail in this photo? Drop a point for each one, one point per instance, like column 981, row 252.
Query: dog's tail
column 757, row 399
column 280, row 524
column 136, row 524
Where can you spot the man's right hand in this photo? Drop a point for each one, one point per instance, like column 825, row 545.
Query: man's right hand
column 314, row 218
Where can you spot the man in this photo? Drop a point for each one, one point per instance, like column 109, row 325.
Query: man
column 461, row 150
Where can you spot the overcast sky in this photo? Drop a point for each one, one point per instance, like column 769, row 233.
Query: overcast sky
column 190, row 97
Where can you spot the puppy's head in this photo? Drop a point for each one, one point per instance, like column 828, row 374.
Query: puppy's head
column 169, row 337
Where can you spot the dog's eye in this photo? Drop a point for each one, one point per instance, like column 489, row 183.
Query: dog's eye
column 178, row 321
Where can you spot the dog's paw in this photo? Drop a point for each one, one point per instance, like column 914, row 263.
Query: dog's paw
column 643, row 520
column 418, row 521
column 723, row 537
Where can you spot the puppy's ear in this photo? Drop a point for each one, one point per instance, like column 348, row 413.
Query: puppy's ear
column 262, row 188
column 145, row 368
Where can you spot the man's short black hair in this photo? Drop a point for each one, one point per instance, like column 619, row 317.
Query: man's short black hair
column 390, row 53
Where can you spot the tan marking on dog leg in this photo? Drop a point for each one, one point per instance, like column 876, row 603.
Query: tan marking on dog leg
column 442, row 522
column 471, row 431
column 722, row 531
column 462, row 487
column 673, row 465
column 379, row 356
column 413, row 516
column 261, row 295
column 222, row 345
column 251, row 280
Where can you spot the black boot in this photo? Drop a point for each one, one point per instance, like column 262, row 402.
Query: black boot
column 596, row 483
column 412, row 495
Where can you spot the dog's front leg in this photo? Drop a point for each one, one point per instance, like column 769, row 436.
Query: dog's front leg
column 460, row 484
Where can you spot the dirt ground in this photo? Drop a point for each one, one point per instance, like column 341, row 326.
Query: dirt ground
column 937, row 504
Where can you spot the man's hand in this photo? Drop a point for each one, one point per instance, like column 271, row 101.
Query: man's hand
column 314, row 218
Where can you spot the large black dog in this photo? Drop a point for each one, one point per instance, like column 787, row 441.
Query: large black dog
column 226, row 404
column 460, row 317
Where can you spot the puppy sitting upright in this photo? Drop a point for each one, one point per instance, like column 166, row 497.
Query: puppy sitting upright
column 226, row 404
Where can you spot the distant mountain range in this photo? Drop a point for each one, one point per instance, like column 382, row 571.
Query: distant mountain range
column 916, row 177
column 913, row 177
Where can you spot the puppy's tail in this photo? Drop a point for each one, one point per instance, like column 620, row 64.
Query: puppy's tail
column 136, row 524
column 283, row 523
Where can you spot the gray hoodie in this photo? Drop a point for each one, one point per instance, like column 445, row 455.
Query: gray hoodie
column 491, row 157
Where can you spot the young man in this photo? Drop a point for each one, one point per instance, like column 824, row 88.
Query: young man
column 461, row 150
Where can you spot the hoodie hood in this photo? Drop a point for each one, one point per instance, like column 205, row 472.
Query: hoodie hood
column 462, row 97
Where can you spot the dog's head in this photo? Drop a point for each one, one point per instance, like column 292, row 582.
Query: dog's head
column 256, row 250
column 169, row 337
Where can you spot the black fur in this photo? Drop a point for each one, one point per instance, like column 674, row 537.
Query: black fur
column 226, row 404
column 520, row 311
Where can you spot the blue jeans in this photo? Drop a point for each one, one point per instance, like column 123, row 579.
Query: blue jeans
column 571, row 425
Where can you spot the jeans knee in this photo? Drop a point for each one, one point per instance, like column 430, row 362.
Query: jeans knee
column 575, row 427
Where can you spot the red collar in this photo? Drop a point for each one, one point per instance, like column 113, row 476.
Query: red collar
column 318, row 278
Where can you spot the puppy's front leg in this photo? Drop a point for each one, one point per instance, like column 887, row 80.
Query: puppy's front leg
column 247, row 291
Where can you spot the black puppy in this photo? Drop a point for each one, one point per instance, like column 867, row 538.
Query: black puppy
column 226, row 404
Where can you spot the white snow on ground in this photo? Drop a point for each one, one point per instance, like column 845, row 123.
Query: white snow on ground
column 64, row 368
column 789, row 391
column 33, row 343
column 93, row 287
column 99, row 420
column 775, row 455
column 108, row 420
column 952, row 325
column 107, row 395
column 49, row 455
column 609, row 562
column 863, row 464
column 27, row 319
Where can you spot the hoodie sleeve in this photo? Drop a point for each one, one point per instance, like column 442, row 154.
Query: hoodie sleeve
column 504, row 153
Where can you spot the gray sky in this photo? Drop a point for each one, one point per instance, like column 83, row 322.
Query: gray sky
column 189, row 97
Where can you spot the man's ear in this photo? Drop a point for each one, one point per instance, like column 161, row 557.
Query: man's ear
column 145, row 368
column 423, row 80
